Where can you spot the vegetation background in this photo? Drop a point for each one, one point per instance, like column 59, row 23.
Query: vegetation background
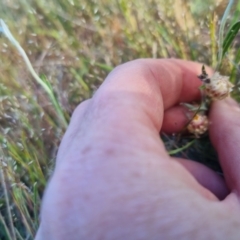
column 73, row 45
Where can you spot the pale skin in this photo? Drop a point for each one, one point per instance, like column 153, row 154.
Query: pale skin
column 113, row 178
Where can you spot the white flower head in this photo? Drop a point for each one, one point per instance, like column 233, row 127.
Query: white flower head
column 218, row 87
column 198, row 125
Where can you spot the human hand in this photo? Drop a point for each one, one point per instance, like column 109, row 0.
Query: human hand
column 113, row 177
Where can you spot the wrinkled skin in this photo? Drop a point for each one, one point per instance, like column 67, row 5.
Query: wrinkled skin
column 113, row 178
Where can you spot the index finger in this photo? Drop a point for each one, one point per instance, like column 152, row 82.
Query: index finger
column 147, row 87
column 130, row 103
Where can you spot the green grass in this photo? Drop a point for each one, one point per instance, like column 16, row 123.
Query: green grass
column 67, row 42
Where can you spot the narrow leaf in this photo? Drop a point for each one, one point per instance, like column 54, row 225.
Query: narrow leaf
column 230, row 36
column 221, row 33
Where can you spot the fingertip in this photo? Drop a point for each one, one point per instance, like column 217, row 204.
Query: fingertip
column 192, row 66
column 225, row 135
column 174, row 119
column 224, row 117
column 191, row 70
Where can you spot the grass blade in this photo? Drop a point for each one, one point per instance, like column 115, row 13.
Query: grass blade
column 7, row 200
column 233, row 31
column 5, row 227
column 4, row 29
column 221, row 33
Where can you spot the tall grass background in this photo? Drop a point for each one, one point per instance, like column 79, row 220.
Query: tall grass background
column 73, row 45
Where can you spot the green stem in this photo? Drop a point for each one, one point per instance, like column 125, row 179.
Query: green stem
column 175, row 151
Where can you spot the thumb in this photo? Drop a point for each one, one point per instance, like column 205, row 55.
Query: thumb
column 225, row 136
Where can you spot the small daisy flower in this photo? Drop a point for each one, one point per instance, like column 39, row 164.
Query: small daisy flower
column 218, row 87
column 198, row 125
